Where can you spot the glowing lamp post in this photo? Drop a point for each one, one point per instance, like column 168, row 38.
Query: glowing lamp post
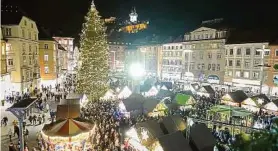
column 136, row 71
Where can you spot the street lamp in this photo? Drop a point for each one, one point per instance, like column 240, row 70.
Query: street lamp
column 136, row 71
column 263, row 50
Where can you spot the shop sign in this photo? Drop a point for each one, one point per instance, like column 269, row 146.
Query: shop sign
column 213, row 79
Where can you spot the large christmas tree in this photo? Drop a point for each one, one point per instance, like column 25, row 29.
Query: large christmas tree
column 92, row 75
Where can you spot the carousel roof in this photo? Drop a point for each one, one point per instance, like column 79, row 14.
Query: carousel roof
column 174, row 142
column 66, row 128
column 173, row 123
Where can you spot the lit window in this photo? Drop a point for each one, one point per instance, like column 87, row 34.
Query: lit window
column 231, row 52
column 24, row 60
column 276, row 52
column 46, row 70
column 23, row 49
column 255, row 75
column 230, row 73
column 10, row 62
column 238, row 63
column 257, row 53
column 45, row 46
column 218, row 67
column 218, row 55
column 23, row 33
column 247, row 63
column 237, row 74
column 30, row 60
column 247, row 51
column 230, row 63
column 8, row 31
column 238, row 52
column 45, row 57
column 246, row 74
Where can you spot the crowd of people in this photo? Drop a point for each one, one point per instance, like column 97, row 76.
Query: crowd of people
column 107, row 136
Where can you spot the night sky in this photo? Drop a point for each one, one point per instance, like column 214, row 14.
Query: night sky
column 167, row 17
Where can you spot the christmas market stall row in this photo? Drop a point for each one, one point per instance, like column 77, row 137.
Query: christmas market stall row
column 253, row 103
column 169, row 134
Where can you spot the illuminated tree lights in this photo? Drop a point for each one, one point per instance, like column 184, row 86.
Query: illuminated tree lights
column 92, row 75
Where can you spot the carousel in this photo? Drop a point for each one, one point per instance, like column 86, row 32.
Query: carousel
column 67, row 135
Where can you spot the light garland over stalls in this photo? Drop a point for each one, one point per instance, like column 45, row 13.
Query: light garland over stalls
column 92, row 76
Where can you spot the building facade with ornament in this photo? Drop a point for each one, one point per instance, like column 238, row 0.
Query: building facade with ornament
column 116, row 58
column 21, row 33
column 67, row 44
column 204, row 52
column 5, row 80
column 151, row 58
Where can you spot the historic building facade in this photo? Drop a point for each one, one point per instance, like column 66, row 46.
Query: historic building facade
column 151, row 59
column 4, row 75
column 172, row 61
column 243, row 65
column 204, row 54
column 67, row 44
column 48, row 62
column 21, row 33
column 116, row 58
column 272, row 72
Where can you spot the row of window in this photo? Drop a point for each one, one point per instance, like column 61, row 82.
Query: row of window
column 243, row 74
column 31, row 24
column 29, row 59
column 220, row 34
column 171, row 69
column 201, row 66
column 8, row 32
column 172, row 62
column 247, row 52
column 24, row 52
column 35, row 35
column 238, row 63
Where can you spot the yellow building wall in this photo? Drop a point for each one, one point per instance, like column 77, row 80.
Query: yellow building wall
column 16, row 55
column 51, row 63
column 3, row 57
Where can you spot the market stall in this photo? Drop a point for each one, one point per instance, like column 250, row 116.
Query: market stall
column 271, row 107
column 234, row 98
column 109, row 95
column 164, row 94
column 184, row 101
column 67, row 135
column 230, row 115
column 250, row 105
column 173, row 124
column 154, row 107
column 124, row 93
column 151, row 92
column 206, row 91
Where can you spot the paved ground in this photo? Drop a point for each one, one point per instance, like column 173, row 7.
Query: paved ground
column 33, row 130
